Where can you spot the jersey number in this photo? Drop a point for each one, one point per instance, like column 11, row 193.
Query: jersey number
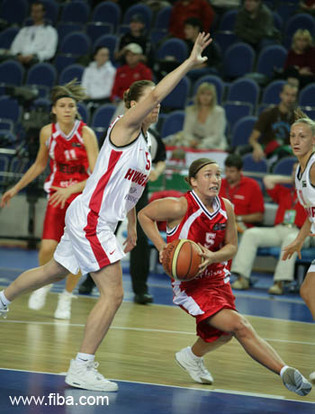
column 148, row 164
column 70, row 155
column 210, row 238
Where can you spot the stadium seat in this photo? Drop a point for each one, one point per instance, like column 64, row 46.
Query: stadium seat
column 307, row 95
column 238, row 60
column 271, row 92
column 107, row 12
column 142, row 9
column 98, row 29
column 174, row 47
column 177, row 99
column 242, row 130
column 11, row 73
column 228, row 19
column 162, row 18
column 173, row 123
column 235, row 110
column 101, row 119
column 270, row 58
column 71, row 72
column 284, row 166
column 7, row 36
column 243, row 90
column 14, row 13
column 75, row 11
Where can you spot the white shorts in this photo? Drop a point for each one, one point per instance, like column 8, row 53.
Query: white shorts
column 76, row 252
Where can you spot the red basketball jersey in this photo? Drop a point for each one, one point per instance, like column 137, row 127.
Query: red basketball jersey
column 207, row 229
column 68, row 158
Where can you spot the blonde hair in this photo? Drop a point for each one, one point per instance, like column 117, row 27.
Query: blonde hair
column 71, row 90
column 301, row 118
column 302, row 33
column 206, row 87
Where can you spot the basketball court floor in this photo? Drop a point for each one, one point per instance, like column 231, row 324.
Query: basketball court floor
column 138, row 353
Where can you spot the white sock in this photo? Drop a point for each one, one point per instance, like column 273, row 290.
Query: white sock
column 283, row 369
column 3, row 300
column 191, row 354
column 82, row 357
column 65, row 292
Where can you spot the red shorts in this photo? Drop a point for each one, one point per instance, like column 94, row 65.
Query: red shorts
column 205, row 302
column 54, row 222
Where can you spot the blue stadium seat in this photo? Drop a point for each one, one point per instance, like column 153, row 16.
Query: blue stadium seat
column 271, row 92
column 98, row 29
column 218, row 82
column 307, row 95
column 238, row 60
column 144, row 10
column 44, row 76
column 76, row 43
column 14, row 13
column 101, row 118
column 278, row 21
column 173, row 123
column 284, row 166
column 109, row 41
column 76, row 11
column 4, row 169
column 177, row 99
column 251, row 167
column 225, row 38
column 10, row 109
column 270, row 58
column 64, row 28
column 52, row 11
column 244, row 90
column 84, row 112
column 157, row 35
column 71, row 72
column 227, row 21
column 6, row 124
column 11, row 73
column 237, row 110
column 7, row 36
column 299, row 21
column 107, row 12
column 309, row 111
column 162, row 19
column 242, row 130
column 174, row 47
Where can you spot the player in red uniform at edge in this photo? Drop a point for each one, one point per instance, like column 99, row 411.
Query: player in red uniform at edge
column 204, row 217
column 110, row 195
column 71, row 148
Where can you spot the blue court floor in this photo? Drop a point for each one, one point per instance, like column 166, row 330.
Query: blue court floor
column 50, row 394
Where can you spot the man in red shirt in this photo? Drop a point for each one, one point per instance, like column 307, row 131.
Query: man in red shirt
column 244, row 193
column 183, row 9
column 134, row 70
column 289, row 219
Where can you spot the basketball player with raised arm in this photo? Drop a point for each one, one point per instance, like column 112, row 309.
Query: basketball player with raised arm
column 111, row 193
column 207, row 219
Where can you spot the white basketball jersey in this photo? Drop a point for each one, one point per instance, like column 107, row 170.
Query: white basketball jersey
column 306, row 191
column 115, row 186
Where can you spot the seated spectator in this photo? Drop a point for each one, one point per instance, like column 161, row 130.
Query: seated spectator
column 307, row 6
column 192, row 28
column 254, row 25
column 244, row 193
column 205, row 122
column 300, row 62
column 35, row 43
column 222, row 6
column 98, row 77
column 183, row 9
column 270, row 135
column 132, row 71
column 289, row 219
column 137, row 35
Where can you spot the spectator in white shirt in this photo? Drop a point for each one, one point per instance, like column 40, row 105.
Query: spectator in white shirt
column 35, row 43
column 98, row 78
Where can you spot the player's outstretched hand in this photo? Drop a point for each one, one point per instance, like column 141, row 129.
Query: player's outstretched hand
column 202, row 41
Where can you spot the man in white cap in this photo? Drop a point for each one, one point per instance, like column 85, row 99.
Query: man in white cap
column 132, row 71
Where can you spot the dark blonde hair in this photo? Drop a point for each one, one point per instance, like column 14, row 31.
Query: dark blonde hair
column 135, row 91
column 196, row 166
column 301, row 118
column 304, row 34
column 71, row 90
column 206, row 87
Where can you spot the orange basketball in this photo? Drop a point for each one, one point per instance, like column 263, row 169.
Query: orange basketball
column 181, row 259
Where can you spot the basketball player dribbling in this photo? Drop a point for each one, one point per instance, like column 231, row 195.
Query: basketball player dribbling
column 207, row 219
column 71, row 148
column 111, row 193
column 302, row 140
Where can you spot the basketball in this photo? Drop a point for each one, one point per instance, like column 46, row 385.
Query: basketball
column 181, row 259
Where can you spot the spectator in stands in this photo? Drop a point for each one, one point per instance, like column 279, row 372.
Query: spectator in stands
column 289, row 219
column 193, row 26
column 98, row 78
column 244, row 193
column 254, row 25
column 300, row 62
column 205, row 122
column 132, row 71
column 270, row 135
column 136, row 34
column 35, row 43
column 183, row 9
column 308, row 6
